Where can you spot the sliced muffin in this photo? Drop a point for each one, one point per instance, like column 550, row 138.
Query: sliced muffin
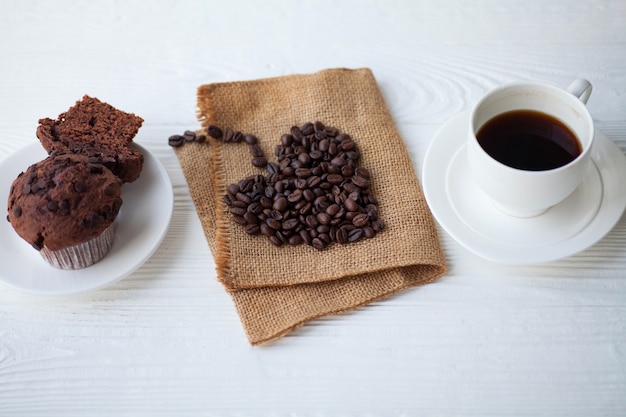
column 98, row 130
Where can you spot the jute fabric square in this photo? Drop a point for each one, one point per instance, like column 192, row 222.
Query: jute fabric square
column 278, row 289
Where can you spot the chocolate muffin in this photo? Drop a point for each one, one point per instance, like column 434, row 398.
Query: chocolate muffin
column 65, row 207
column 98, row 130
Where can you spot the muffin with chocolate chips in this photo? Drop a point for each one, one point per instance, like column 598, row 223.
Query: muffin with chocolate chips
column 65, row 206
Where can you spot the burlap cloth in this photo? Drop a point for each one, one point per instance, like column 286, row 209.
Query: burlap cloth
column 278, row 289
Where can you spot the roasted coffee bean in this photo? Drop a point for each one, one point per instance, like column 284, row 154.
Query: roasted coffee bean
column 304, row 158
column 303, row 172
column 362, row 172
column 342, row 235
column 272, row 168
column 290, row 224
column 378, row 225
column 335, row 178
column 350, row 205
column 259, row 162
column 333, row 209
column 368, row 232
column 277, row 215
column 256, row 150
column 280, row 204
column 240, row 220
column 233, row 189
column 215, row 132
column 307, row 129
column 355, row 235
column 266, row 230
column 175, row 140
column 253, row 229
column 275, row 240
column 360, row 182
column 250, row 139
column 318, row 244
column 189, row 135
column 229, row 134
column 331, row 131
column 200, row 138
column 295, row 240
column 360, row 220
column 238, row 211
column 296, row 133
column 273, row 223
column 295, row 196
column 238, row 137
column 347, row 171
column 323, row 218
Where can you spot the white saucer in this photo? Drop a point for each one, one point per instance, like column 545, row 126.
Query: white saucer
column 142, row 224
column 470, row 217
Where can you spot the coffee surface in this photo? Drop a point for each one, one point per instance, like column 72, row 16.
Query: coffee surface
column 529, row 140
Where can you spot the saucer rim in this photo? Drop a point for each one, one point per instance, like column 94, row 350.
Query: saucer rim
column 438, row 158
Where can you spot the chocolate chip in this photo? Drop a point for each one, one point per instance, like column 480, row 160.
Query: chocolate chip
column 17, row 211
column 110, row 190
column 91, row 220
column 55, row 132
column 64, row 205
column 79, row 187
column 38, row 243
column 95, row 168
column 52, row 206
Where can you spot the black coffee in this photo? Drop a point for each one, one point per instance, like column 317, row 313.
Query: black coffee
column 529, row 140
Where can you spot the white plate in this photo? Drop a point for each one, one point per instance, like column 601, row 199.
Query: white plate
column 142, row 224
column 470, row 217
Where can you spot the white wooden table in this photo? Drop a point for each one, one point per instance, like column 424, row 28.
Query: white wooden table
column 487, row 339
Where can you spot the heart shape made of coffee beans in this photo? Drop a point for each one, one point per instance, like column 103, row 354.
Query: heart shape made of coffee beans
column 315, row 194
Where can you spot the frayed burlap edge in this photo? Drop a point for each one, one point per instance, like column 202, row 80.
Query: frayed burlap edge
column 268, row 326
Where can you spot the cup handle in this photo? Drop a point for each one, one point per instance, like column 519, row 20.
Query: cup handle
column 581, row 88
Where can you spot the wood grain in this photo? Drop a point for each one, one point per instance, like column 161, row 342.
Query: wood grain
column 487, row 339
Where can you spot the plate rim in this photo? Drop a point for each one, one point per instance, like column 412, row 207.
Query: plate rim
column 162, row 189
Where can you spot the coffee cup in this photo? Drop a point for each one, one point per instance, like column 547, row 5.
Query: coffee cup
column 529, row 144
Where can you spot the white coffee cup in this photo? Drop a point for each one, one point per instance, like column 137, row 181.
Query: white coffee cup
column 524, row 193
